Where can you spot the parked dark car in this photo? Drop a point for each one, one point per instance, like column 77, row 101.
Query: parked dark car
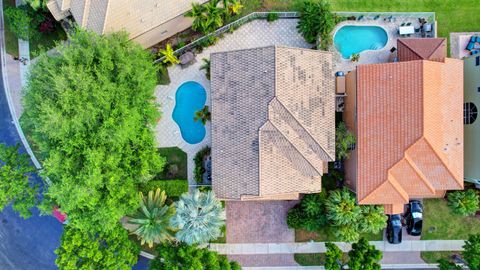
column 394, row 229
column 414, row 218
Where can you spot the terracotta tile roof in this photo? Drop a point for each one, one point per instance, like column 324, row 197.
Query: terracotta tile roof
column 134, row 16
column 434, row 49
column 273, row 122
column 409, row 130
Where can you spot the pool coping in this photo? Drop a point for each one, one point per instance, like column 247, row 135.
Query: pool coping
column 175, row 106
column 357, row 23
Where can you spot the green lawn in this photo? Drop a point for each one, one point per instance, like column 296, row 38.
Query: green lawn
column 176, row 167
column 434, row 256
column 452, row 15
column 441, row 223
column 327, row 235
column 309, row 259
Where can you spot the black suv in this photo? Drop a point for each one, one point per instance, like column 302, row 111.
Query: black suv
column 394, row 229
column 414, row 218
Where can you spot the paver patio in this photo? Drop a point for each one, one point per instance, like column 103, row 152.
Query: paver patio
column 257, row 33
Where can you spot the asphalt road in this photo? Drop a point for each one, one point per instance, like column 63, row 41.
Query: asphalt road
column 28, row 244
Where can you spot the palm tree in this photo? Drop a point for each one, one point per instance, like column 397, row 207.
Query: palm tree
column 213, row 16
column 203, row 115
column 198, row 15
column 200, row 217
column 152, row 220
column 342, row 208
column 206, row 66
column 169, row 54
column 355, row 57
column 235, row 7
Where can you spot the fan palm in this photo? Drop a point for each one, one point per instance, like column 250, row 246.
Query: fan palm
column 169, row 55
column 206, row 66
column 200, row 217
column 152, row 219
column 204, row 115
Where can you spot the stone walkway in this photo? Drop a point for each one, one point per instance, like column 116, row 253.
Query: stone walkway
column 319, row 247
column 257, row 33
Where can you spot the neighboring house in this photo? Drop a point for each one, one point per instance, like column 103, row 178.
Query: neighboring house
column 147, row 21
column 408, row 120
column 273, row 122
column 472, row 125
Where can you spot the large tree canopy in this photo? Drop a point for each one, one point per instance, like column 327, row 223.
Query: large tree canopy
column 84, row 250
column 90, row 109
column 15, row 188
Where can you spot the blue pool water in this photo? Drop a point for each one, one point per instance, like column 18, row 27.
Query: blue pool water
column 351, row 39
column 190, row 97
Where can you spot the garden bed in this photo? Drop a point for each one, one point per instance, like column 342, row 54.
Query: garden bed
column 176, row 166
column 45, row 41
column 173, row 188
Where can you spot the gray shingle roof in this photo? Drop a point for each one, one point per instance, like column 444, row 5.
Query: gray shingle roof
column 273, row 121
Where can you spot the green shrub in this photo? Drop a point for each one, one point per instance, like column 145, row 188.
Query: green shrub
column 295, row 218
column 465, row 203
column 198, row 159
column 272, row 16
column 315, row 19
column 19, row 21
column 344, row 140
column 309, row 214
column 173, row 188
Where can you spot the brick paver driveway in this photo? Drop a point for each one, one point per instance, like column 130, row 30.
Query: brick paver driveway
column 258, row 222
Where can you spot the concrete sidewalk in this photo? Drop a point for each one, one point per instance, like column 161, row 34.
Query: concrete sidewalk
column 319, row 247
column 384, row 266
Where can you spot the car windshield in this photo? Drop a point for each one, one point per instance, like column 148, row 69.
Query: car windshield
column 417, row 215
column 417, row 226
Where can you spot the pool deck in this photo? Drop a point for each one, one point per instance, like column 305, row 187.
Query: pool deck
column 257, row 33
column 373, row 56
column 458, row 43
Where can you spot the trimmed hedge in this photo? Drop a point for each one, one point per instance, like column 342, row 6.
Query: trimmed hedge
column 173, row 188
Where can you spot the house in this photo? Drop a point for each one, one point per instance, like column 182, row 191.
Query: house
column 472, row 127
column 147, row 21
column 273, row 122
column 408, row 120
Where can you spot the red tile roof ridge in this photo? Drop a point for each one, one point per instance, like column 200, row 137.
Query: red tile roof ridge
column 405, row 41
column 380, row 190
column 459, row 181
column 418, row 172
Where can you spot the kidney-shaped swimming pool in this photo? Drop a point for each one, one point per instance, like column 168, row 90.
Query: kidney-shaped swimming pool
column 351, row 39
column 190, row 97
